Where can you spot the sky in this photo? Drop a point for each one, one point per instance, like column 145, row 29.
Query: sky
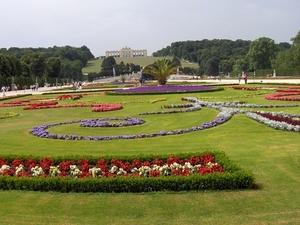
column 105, row 25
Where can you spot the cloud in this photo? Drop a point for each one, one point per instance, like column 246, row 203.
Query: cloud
column 148, row 24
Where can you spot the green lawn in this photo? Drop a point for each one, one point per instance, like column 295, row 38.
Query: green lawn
column 272, row 155
column 95, row 65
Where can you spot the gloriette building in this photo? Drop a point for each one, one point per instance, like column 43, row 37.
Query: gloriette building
column 126, row 52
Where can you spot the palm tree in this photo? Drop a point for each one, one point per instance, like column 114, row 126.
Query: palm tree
column 161, row 70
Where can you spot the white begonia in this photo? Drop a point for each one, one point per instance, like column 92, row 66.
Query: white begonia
column 37, row 171
column 74, row 171
column 96, row 172
column 165, row 170
column 54, row 171
column 209, row 164
column 134, row 170
column 144, row 171
column 114, row 169
column 19, row 169
column 121, row 172
column 3, row 168
column 175, row 166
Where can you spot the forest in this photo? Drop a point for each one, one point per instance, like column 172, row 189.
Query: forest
column 26, row 66
column 222, row 56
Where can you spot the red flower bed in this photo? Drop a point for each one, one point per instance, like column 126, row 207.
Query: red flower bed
column 283, row 96
column 96, row 107
column 107, row 107
column 39, row 105
column 173, row 166
column 74, row 97
column 289, row 91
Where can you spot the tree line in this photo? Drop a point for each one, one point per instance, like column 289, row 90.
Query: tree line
column 222, row 56
column 26, row 66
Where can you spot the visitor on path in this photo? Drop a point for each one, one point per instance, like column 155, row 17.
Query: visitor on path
column 245, row 78
column 3, row 89
column 239, row 78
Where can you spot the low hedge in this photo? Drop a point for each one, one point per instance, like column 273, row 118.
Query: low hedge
column 234, row 177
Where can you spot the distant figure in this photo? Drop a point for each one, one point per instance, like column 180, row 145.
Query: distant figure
column 74, row 86
column 245, row 78
column 3, row 89
column 239, row 77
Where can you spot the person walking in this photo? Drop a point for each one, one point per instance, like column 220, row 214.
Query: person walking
column 239, row 78
column 3, row 89
column 245, row 78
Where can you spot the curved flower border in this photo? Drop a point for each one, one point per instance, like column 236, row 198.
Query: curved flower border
column 225, row 114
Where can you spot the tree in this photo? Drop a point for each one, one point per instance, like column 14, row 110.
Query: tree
column 5, row 67
column 107, row 66
column 261, row 52
column 226, row 66
column 53, row 67
column 242, row 65
column 176, row 61
column 36, row 61
column 161, row 70
column 296, row 47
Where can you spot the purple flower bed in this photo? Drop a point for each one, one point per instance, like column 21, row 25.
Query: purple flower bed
column 104, row 122
column 166, row 89
column 41, row 131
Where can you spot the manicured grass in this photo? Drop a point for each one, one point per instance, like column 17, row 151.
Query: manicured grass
column 272, row 155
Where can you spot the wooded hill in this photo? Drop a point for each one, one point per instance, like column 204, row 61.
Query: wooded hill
column 217, row 55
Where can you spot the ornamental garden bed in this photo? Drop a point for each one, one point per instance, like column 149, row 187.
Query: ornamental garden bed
column 144, row 173
column 165, row 89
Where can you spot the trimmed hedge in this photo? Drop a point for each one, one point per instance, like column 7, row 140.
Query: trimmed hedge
column 234, row 177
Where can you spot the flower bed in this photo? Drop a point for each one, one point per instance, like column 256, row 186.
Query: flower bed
column 96, row 107
column 225, row 114
column 73, row 97
column 40, row 105
column 279, row 121
column 128, row 121
column 283, row 96
column 173, row 166
column 41, row 131
column 199, row 171
column 8, row 115
column 166, row 89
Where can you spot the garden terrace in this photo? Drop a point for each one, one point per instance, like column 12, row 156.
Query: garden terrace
column 268, row 154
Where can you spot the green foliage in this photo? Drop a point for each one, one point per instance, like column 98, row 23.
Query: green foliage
column 27, row 63
column 261, row 52
column 53, row 67
column 161, row 70
column 107, row 66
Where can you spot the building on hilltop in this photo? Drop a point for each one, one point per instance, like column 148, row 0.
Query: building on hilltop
column 126, row 52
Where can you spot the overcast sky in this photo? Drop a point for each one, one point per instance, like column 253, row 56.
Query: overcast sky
column 104, row 25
